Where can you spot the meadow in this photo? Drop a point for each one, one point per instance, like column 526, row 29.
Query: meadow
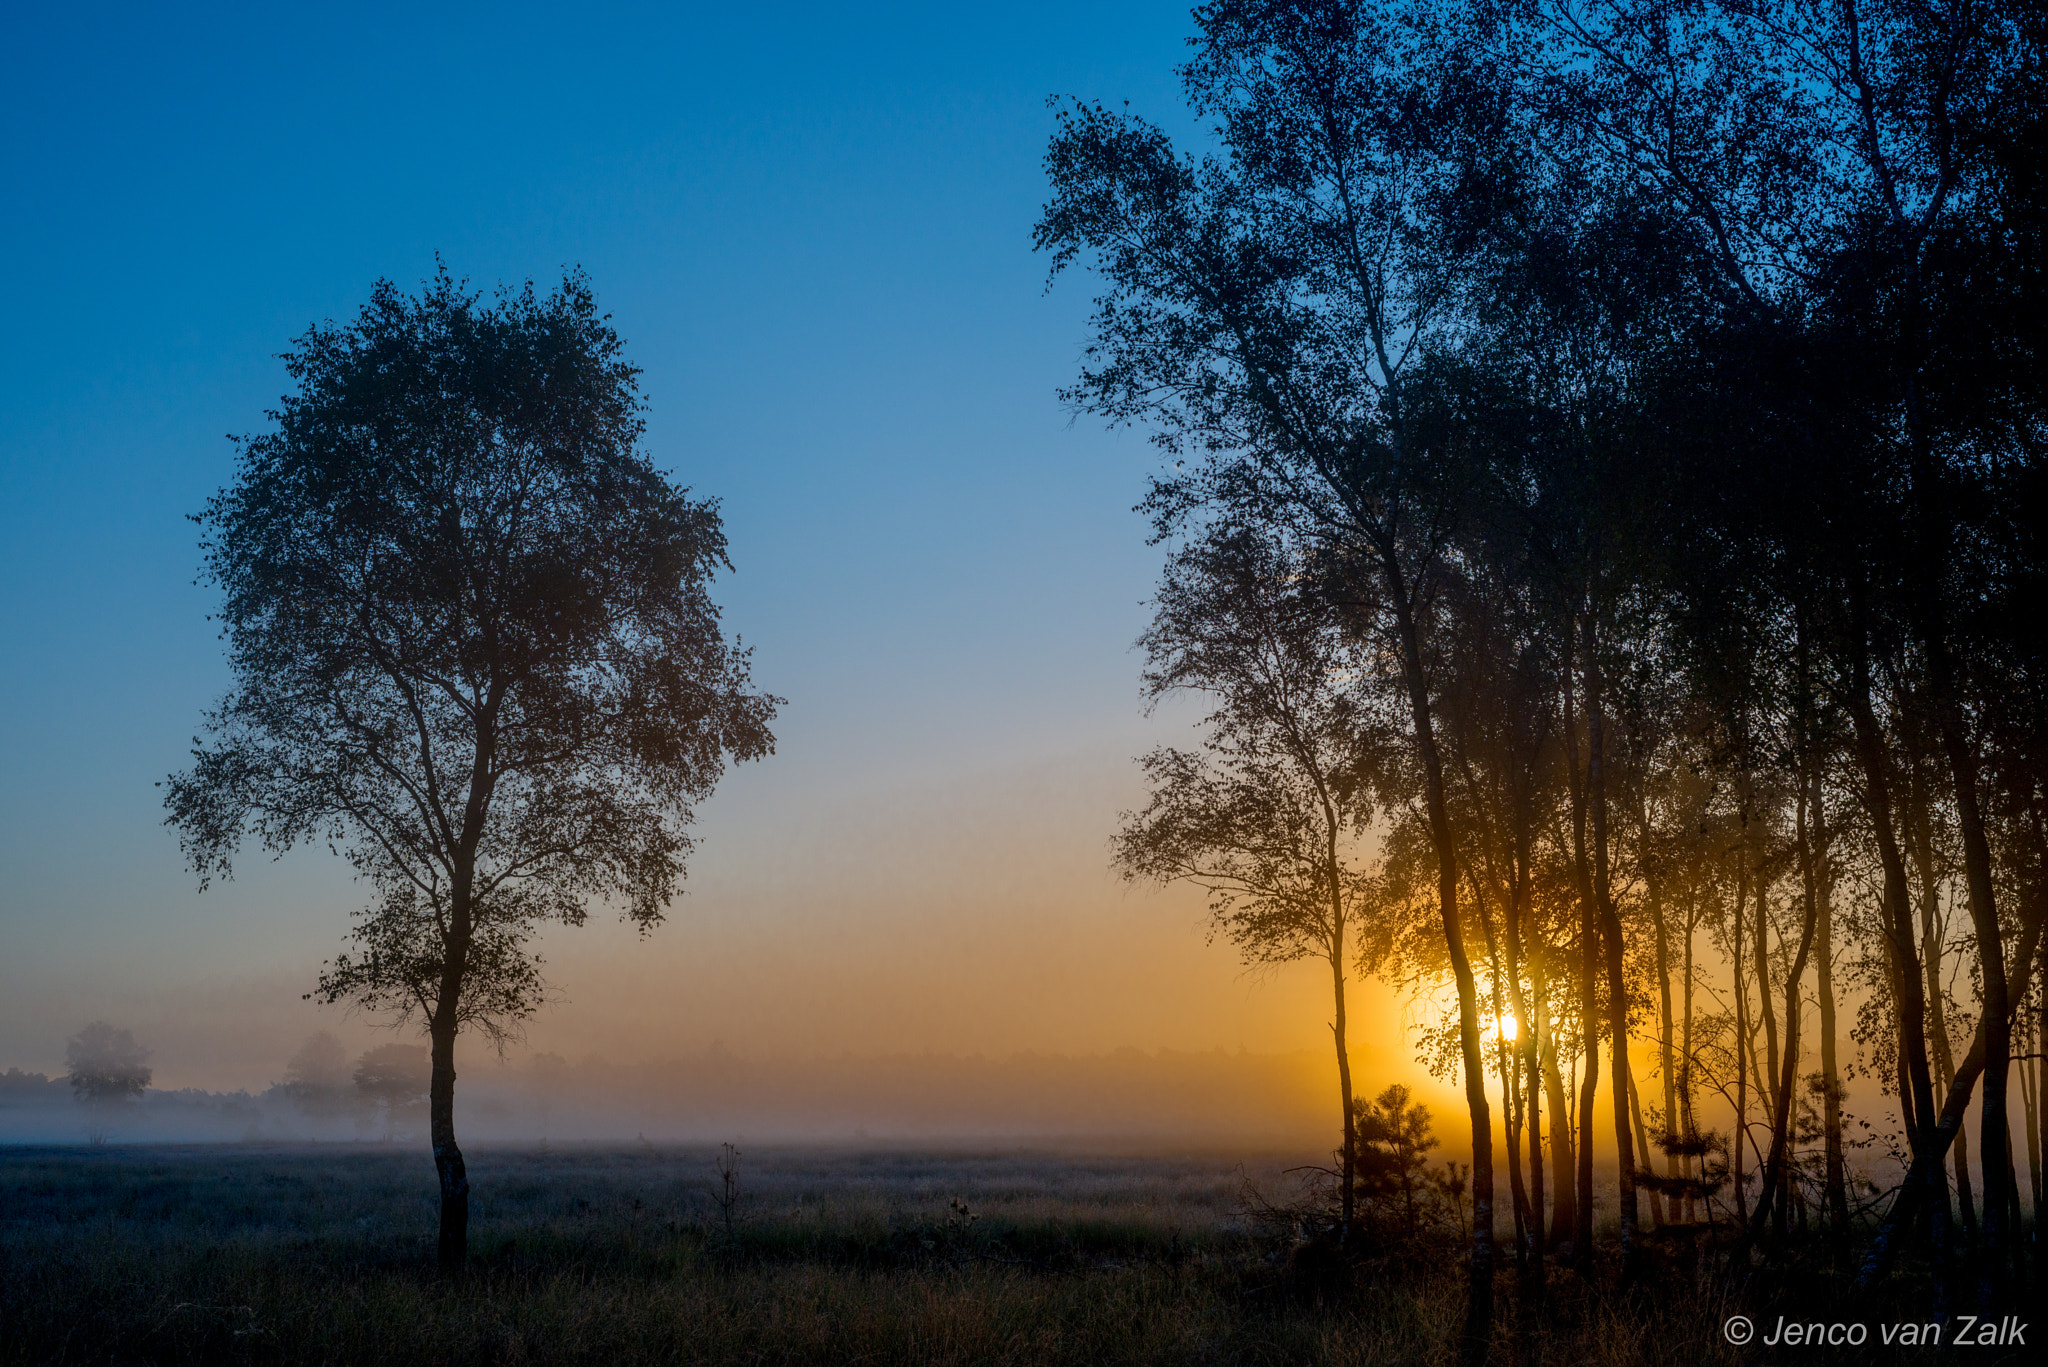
column 324, row 1254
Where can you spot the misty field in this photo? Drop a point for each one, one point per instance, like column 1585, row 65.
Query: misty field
column 326, row 1254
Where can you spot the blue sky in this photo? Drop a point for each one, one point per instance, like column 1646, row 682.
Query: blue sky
column 812, row 226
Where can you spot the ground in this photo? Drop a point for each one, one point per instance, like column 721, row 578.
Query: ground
column 324, row 1254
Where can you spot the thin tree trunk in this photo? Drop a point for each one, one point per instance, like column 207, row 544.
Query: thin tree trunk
column 1589, row 993
column 1927, row 1162
column 1635, row 1111
column 2034, row 1126
column 1507, row 1065
column 1760, row 948
column 2013, row 1215
column 1504, row 1066
column 1665, row 1039
column 1563, row 1159
column 1996, row 1007
column 1532, row 1110
column 1333, row 872
column 1526, row 1041
column 1944, row 1061
column 448, row 1164
column 1589, row 1087
column 1617, row 979
column 1693, row 1165
column 1920, row 845
column 1917, row 1091
column 1478, row 1331
column 1337, row 1031
column 1770, row 1192
column 1836, row 1179
column 1742, row 1039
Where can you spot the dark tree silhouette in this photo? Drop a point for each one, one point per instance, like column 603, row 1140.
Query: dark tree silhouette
column 1266, row 312
column 1394, row 1141
column 1267, row 818
column 473, row 647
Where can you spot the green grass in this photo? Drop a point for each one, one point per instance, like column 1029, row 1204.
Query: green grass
column 324, row 1255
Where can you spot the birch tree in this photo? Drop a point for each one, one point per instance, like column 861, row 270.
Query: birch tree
column 473, row 648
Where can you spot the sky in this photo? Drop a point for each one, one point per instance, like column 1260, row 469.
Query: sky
column 812, row 227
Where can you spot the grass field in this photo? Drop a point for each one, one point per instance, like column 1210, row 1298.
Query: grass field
column 324, row 1254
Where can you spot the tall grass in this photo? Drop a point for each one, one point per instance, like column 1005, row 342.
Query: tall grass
column 325, row 1255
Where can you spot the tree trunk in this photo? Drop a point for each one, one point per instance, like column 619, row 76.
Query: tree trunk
column 1478, row 1331
column 1337, row 1029
column 2036, row 1130
column 1333, row 872
column 1589, row 1087
column 1666, row 1042
column 1504, row 1066
column 1694, row 1165
column 1635, row 1113
column 1508, row 1065
column 1920, row 844
column 448, row 1165
column 1527, row 1043
column 1917, row 1091
column 1772, row 1189
column 2014, row 1216
column 1622, row 1085
column 1760, row 948
column 1816, row 876
column 1837, row 1182
column 1771, row 1192
column 1532, row 1112
column 441, row 1030
column 1743, row 1043
column 1589, row 993
column 1997, row 1007
column 1944, row 1061
column 1563, row 1159
column 1925, row 1171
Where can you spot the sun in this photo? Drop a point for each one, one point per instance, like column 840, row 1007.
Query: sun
column 1506, row 1027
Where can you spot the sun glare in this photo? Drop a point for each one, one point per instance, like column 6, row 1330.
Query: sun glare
column 1507, row 1027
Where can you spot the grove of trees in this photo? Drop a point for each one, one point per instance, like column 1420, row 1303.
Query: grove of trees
column 390, row 1080
column 1601, row 470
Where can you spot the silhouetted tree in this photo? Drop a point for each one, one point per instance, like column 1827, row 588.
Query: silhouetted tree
column 1394, row 1139
column 106, row 1064
column 1267, row 311
column 1267, row 817
column 473, row 646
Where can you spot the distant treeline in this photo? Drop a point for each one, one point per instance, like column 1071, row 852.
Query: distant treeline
column 1198, row 1099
